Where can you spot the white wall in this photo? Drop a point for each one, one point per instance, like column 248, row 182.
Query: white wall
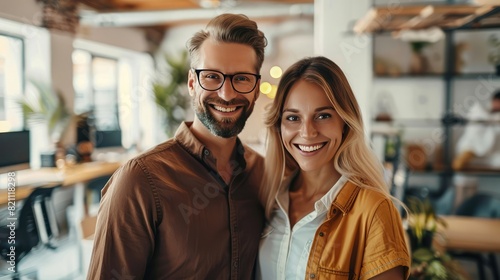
column 128, row 38
column 333, row 38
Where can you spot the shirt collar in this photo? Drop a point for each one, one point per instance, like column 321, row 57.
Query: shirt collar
column 324, row 203
column 188, row 141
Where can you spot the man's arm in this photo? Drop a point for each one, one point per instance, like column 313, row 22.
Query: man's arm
column 124, row 237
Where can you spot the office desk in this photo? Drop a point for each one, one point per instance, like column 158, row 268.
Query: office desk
column 470, row 234
column 78, row 174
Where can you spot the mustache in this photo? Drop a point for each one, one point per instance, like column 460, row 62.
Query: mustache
column 232, row 102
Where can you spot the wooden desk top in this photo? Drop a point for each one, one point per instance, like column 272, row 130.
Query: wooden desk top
column 79, row 173
column 470, row 234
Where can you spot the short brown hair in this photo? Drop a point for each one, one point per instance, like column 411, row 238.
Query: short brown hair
column 230, row 28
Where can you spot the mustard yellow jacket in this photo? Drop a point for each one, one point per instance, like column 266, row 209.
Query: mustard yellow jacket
column 361, row 237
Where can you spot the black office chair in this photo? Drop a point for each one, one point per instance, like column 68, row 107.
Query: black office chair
column 484, row 206
column 33, row 226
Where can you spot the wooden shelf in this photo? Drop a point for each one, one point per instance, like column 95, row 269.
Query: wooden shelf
column 460, row 76
column 396, row 18
column 483, row 172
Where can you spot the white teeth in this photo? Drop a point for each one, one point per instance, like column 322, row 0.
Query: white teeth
column 224, row 109
column 310, row 148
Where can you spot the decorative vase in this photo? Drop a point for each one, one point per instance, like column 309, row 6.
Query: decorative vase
column 418, row 63
column 40, row 141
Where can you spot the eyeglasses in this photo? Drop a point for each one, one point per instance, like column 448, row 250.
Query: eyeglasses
column 212, row 80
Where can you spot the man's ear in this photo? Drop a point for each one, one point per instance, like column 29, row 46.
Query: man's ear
column 257, row 91
column 191, row 81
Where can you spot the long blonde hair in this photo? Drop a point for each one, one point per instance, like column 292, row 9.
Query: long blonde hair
column 354, row 158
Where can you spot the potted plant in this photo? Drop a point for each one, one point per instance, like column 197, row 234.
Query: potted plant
column 418, row 40
column 494, row 55
column 44, row 106
column 428, row 263
column 171, row 95
column 48, row 120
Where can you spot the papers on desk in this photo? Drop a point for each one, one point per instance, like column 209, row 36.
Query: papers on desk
column 31, row 177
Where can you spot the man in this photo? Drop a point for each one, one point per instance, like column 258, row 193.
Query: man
column 478, row 146
column 189, row 208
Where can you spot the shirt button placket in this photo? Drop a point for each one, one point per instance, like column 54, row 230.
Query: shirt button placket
column 312, row 275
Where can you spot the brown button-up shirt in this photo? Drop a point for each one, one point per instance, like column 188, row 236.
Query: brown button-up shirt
column 167, row 214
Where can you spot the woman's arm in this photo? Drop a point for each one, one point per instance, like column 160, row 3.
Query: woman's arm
column 396, row 273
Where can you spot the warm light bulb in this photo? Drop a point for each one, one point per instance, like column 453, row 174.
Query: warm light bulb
column 272, row 94
column 276, row 72
column 265, row 87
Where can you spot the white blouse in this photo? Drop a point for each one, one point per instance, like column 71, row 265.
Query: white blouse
column 284, row 251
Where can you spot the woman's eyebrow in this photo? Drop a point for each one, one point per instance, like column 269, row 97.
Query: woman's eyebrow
column 316, row 110
column 324, row 108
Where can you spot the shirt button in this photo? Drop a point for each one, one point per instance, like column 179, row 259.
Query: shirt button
column 312, row 275
column 321, row 234
column 334, row 211
column 235, row 264
column 206, row 152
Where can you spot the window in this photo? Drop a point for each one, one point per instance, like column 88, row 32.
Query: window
column 116, row 84
column 11, row 83
column 96, row 88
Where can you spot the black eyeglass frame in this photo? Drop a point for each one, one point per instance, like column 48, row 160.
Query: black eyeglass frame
column 198, row 71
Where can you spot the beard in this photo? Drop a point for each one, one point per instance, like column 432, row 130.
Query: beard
column 226, row 127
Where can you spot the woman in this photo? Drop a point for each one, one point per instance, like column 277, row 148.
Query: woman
column 330, row 214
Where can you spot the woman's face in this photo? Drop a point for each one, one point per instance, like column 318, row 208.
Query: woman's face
column 310, row 128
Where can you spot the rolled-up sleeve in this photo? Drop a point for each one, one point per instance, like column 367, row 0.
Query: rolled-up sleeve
column 385, row 246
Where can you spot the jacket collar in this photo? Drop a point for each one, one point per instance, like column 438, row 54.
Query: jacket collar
column 345, row 199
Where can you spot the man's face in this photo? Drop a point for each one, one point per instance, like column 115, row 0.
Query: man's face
column 224, row 111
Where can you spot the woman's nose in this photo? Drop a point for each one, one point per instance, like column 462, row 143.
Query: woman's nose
column 308, row 130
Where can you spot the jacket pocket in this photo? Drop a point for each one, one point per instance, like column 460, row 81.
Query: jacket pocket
column 330, row 274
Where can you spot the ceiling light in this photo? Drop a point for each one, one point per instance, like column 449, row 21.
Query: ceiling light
column 207, row 4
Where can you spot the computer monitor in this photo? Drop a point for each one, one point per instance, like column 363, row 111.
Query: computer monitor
column 14, row 150
column 108, row 138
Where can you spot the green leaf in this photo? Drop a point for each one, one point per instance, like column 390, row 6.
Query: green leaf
column 423, row 255
column 168, row 94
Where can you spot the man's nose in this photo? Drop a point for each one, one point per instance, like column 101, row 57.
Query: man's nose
column 227, row 92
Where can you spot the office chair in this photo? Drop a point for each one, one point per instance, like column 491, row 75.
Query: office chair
column 484, row 206
column 31, row 227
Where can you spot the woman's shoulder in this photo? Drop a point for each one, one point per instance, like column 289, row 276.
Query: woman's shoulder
column 370, row 197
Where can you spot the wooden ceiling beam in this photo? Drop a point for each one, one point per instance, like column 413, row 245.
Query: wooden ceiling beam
column 419, row 17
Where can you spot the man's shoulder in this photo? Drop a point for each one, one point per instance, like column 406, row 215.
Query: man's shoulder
column 159, row 151
column 252, row 157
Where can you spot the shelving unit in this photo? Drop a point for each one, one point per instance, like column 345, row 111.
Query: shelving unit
column 450, row 18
